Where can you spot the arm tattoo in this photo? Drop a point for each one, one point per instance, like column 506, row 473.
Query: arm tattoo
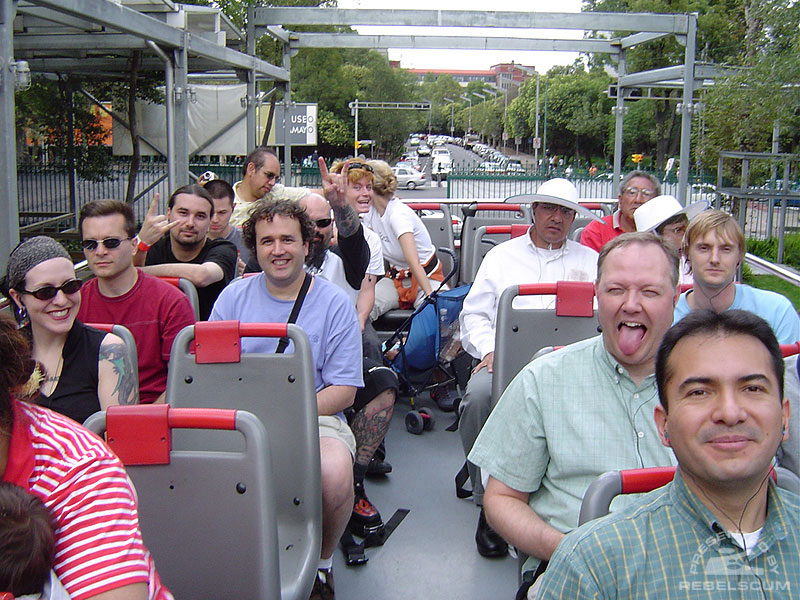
column 120, row 359
column 346, row 220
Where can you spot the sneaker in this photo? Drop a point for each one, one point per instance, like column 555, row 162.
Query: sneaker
column 323, row 586
column 365, row 518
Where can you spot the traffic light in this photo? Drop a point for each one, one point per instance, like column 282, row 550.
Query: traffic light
column 637, row 158
column 358, row 144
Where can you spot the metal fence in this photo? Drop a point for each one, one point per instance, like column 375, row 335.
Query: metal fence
column 43, row 191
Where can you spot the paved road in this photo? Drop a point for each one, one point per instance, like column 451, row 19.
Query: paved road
column 461, row 157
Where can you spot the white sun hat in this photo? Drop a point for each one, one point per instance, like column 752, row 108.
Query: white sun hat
column 558, row 191
column 655, row 211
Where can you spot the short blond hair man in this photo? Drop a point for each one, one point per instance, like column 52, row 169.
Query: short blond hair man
column 714, row 246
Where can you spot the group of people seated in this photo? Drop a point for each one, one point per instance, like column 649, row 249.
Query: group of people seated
column 334, row 259
column 699, row 362
column 306, row 270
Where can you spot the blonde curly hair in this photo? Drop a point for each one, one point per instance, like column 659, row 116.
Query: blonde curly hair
column 384, row 180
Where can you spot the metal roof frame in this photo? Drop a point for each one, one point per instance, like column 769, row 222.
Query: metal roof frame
column 643, row 28
column 95, row 38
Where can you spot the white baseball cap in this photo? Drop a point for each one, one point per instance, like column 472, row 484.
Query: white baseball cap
column 657, row 210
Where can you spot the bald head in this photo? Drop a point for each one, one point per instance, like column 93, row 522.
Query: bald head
column 319, row 210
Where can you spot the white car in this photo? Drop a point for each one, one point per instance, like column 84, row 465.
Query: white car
column 424, row 150
column 409, row 178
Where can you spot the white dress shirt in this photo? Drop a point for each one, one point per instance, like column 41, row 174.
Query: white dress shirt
column 511, row 263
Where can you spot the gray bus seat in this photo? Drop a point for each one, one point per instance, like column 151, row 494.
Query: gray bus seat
column 279, row 390
column 521, row 332
column 208, row 518
column 499, row 214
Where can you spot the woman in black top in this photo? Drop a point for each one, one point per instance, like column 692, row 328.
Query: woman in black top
column 83, row 370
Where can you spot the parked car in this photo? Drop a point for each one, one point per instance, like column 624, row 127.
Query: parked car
column 409, row 178
column 490, row 167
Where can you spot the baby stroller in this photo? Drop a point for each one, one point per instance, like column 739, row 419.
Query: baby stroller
column 423, row 350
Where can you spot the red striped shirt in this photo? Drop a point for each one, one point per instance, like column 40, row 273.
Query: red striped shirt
column 85, row 488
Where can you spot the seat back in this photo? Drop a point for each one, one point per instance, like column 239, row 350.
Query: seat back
column 187, row 287
column 439, row 223
column 279, row 390
column 486, row 238
column 127, row 337
column 208, row 518
column 600, row 493
column 500, row 214
column 521, row 332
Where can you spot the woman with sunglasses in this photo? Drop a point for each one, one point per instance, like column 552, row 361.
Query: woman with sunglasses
column 83, row 370
column 414, row 268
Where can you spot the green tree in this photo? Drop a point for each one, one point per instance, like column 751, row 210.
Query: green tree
column 721, row 34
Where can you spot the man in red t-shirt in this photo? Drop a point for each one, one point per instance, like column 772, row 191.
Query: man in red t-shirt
column 121, row 294
column 636, row 188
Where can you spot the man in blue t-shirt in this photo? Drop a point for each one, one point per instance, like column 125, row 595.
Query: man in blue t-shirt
column 714, row 248
column 278, row 233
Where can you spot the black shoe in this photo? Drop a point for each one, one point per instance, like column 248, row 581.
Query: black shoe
column 489, row 542
column 378, row 467
column 323, row 586
column 447, row 398
column 365, row 518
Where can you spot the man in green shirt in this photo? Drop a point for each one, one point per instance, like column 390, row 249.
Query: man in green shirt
column 721, row 529
column 573, row 414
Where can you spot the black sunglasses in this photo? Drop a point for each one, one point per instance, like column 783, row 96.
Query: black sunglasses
column 323, row 223
column 49, row 292
column 109, row 243
column 358, row 165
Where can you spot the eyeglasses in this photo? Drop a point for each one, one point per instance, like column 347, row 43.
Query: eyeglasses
column 271, row 176
column 358, row 165
column 109, row 243
column 675, row 229
column 550, row 209
column 634, row 191
column 323, row 223
column 49, row 292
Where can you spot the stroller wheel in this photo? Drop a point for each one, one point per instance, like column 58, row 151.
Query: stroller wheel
column 414, row 422
column 428, row 420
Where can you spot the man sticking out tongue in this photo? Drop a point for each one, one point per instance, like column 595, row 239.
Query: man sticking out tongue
column 636, row 290
column 573, row 414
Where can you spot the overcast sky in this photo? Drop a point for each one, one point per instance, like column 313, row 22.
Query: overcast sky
column 473, row 59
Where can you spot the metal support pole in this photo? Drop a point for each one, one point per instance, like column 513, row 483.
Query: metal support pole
column 773, row 174
column 782, row 222
column 536, row 133
column 619, row 113
column 688, row 110
column 180, row 126
column 287, row 101
column 250, row 97
column 73, row 197
column 355, row 142
column 169, row 103
column 544, row 135
column 9, row 224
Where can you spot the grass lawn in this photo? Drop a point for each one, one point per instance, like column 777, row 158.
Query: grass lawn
column 776, row 284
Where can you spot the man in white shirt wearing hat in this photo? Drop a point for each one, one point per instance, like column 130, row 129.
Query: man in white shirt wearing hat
column 667, row 218
column 544, row 255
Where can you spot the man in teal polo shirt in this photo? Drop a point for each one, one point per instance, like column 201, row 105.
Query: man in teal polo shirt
column 573, row 414
column 721, row 529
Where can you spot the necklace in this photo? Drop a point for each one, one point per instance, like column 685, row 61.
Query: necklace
column 57, row 374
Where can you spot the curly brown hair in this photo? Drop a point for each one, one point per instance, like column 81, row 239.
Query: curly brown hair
column 16, row 366
column 266, row 210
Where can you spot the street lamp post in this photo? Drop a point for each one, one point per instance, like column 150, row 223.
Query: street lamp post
column 452, row 106
column 469, row 99
column 536, row 134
